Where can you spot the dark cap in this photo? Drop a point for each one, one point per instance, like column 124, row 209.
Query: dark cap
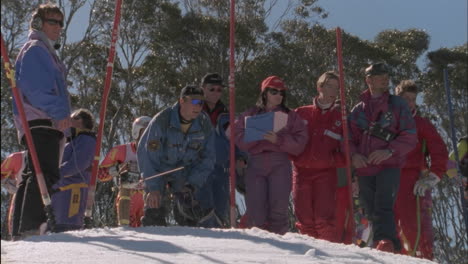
column 193, row 91
column 212, row 78
column 377, row 69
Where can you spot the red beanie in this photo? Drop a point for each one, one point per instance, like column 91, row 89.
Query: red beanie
column 273, row 82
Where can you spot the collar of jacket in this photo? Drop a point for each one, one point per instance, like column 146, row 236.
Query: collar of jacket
column 332, row 106
column 175, row 120
column 382, row 102
column 39, row 35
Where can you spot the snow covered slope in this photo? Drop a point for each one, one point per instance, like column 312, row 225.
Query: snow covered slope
column 187, row 245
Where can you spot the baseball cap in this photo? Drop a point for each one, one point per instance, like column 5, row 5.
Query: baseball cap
column 273, row 82
column 195, row 92
column 377, row 69
column 212, row 78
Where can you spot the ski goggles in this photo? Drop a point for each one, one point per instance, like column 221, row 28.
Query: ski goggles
column 54, row 22
column 273, row 91
column 197, row 102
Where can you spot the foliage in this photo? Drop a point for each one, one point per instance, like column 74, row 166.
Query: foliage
column 165, row 44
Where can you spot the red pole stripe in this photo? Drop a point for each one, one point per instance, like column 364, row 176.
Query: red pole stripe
column 344, row 122
column 10, row 73
column 102, row 112
column 232, row 110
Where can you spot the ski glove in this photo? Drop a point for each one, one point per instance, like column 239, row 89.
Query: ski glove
column 425, row 183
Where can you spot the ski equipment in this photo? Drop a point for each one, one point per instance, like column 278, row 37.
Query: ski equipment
column 102, row 115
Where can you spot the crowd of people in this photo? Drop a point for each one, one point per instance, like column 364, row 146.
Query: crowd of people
column 178, row 162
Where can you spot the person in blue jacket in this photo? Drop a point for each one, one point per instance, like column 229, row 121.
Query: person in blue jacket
column 180, row 136
column 71, row 191
column 41, row 81
column 214, row 195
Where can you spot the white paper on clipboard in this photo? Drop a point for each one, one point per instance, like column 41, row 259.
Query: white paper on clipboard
column 280, row 121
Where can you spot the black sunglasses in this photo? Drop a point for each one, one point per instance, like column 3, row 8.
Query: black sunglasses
column 54, row 22
column 276, row 91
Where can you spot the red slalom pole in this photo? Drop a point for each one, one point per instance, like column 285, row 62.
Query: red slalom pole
column 10, row 74
column 344, row 121
column 232, row 109
column 102, row 115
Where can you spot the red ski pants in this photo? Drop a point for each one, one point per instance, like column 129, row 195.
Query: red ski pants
column 130, row 207
column 406, row 217
column 314, row 202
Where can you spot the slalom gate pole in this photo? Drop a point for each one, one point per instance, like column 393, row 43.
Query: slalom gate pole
column 454, row 145
column 102, row 116
column 232, row 109
column 344, row 122
column 10, row 74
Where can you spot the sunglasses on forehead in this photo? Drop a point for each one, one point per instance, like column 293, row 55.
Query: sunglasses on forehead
column 54, row 22
column 273, row 91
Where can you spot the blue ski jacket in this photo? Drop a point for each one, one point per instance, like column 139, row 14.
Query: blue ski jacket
column 69, row 203
column 41, row 80
column 163, row 147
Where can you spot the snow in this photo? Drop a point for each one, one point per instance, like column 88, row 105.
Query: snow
column 187, row 245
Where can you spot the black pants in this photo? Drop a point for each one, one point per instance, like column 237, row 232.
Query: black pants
column 378, row 195
column 29, row 209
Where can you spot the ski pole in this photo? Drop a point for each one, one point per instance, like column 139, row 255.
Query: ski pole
column 344, row 122
column 10, row 74
column 164, row 173
column 102, row 115
column 454, row 145
column 232, row 109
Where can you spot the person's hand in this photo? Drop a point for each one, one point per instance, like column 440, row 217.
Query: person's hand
column 123, row 169
column 241, row 164
column 378, row 156
column 271, row 136
column 425, row 183
column 63, row 124
column 9, row 185
column 359, row 161
column 153, row 199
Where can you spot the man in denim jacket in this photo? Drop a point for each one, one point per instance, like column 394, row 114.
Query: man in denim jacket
column 180, row 136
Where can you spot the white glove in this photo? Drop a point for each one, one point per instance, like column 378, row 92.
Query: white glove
column 425, row 183
column 113, row 171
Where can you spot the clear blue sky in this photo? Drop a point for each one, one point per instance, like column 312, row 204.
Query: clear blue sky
column 445, row 21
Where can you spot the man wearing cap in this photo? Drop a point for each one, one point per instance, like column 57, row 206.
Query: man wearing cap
column 180, row 136
column 382, row 133
column 215, row 193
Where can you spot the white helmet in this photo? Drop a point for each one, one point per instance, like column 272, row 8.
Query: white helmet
column 139, row 124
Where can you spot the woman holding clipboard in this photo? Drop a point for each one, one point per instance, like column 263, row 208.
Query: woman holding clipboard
column 270, row 132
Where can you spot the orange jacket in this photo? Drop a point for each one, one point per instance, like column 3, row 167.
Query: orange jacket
column 117, row 155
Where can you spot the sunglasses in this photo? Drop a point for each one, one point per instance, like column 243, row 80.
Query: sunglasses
column 218, row 89
column 54, row 22
column 197, row 102
column 276, row 91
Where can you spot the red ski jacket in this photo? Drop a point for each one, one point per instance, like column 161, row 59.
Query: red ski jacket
column 435, row 147
column 325, row 135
